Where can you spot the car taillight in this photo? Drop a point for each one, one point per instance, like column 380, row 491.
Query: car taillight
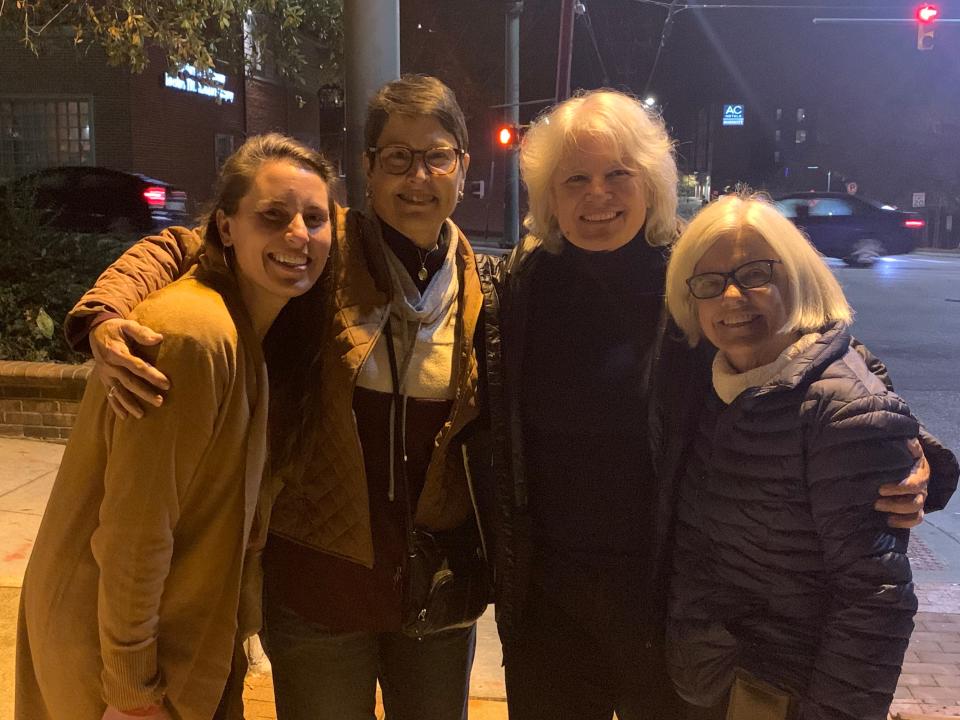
column 155, row 195
column 915, row 223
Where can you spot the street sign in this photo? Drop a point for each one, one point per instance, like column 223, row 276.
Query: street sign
column 852, row 188
column 919, row 200
column 733, row 114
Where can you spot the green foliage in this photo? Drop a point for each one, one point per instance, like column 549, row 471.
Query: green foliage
column 43, row 272
column 198, row 32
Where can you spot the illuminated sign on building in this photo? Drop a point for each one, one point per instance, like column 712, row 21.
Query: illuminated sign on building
column 202, row 82
column 733, row 115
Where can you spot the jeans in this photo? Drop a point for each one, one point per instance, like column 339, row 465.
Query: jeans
column 581, row 653
column 324, row 675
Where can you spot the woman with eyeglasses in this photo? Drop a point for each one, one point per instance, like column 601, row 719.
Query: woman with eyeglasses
column 592, row 408
column 407, row 300
column 791, row 596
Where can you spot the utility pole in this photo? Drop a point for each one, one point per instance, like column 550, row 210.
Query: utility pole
column 371, row 30
column 565, row 49
column 511, row 115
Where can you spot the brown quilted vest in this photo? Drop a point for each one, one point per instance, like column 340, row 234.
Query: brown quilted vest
column 327, row 507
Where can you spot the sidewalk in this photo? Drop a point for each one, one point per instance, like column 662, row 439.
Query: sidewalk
column 929, row 686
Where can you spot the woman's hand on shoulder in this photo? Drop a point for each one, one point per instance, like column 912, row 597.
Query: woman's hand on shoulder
column 131, row 382
column 151, row 712
column 904, row 500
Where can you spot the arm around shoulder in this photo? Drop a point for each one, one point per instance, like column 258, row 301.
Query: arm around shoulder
column 150, row 264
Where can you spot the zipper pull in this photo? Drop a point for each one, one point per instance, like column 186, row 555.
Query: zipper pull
column 398, row 577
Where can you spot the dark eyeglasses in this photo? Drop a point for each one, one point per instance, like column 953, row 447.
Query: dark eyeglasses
column 398, row 159
column 753, row 274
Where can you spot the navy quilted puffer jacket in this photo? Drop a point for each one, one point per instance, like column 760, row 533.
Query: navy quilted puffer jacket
column 782, row 565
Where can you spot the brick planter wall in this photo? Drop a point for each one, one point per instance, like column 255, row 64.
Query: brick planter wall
column 40, row 400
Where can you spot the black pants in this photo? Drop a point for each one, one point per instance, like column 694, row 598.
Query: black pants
column 584, row 650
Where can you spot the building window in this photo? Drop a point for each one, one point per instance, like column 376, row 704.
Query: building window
column 779, row 113
column 37, row 133
column 801, row 136
column 222, row 149
column 776, row 156
column 776, row 135
column 331, row 97
column 801, row 115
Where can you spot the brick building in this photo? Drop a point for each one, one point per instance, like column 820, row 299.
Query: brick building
column 69, row 107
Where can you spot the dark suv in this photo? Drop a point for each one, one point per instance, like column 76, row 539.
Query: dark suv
column 94, row 199
column 852, row 228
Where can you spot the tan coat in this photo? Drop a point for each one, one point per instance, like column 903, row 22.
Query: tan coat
column 138, row 580
column 328, row 508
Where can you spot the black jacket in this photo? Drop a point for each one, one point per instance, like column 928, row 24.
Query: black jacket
column 782, row 565
column 678, row 377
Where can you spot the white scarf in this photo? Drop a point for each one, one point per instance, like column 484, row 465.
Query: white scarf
column 729, row 383
column 424, row 331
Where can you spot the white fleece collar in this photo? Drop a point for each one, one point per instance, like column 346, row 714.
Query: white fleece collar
column 729, row 383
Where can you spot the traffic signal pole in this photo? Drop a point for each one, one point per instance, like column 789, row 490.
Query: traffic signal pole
column 565, row 49
column 371, row 30
column 511, row 115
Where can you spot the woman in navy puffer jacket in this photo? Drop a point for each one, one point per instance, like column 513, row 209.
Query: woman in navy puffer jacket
column 788, row 587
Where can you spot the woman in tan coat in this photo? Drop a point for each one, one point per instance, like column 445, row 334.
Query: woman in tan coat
column 335, row 561
column 145, row 576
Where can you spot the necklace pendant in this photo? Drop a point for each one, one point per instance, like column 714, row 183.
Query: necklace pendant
column 422, row 273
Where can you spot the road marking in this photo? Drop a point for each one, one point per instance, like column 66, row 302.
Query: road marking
column 926, row 260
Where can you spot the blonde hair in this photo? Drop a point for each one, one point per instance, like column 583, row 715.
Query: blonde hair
column 626, row 124
column 814, row 298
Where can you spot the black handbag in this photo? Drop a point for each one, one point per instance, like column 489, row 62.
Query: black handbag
column 444, row 579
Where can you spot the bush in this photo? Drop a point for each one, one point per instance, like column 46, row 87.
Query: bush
column 43, row 272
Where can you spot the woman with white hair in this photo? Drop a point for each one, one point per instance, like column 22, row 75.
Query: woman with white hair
column 789, row 587
column 581, row 316
column 592, row 402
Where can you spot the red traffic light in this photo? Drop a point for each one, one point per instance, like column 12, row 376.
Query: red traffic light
column 927, row 13
column 507, row 136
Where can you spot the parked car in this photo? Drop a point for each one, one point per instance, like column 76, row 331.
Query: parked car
column 95, row 199
column 852, row 228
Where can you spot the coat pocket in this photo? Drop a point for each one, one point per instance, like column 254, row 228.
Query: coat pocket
column 701, row 657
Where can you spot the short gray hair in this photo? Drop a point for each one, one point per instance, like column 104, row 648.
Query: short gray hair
column 814, row 298
column 624, row 122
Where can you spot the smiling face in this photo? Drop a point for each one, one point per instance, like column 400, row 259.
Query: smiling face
column 417, row 202
column 280, row 234
column 600, row 202
column 745, row 324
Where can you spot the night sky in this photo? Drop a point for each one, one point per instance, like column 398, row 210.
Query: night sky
column 888, row 114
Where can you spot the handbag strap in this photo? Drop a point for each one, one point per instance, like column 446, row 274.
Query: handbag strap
column 399, row 452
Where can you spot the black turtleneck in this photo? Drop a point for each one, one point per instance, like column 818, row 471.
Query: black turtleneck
column 412, row 257
column 591, row 326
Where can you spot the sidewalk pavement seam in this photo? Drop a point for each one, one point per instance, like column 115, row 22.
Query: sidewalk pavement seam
column 28, row 482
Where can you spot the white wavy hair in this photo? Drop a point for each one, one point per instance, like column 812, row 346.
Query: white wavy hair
column 624, row 123
column 814, row 298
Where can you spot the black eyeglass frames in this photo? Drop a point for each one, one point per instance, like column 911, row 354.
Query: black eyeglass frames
column 753, row 274
column 398, row 159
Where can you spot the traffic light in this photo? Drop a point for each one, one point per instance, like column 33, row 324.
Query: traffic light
column 925, row 15
column 508, row 136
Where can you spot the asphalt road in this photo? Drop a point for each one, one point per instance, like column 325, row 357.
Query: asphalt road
column 908, row 314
